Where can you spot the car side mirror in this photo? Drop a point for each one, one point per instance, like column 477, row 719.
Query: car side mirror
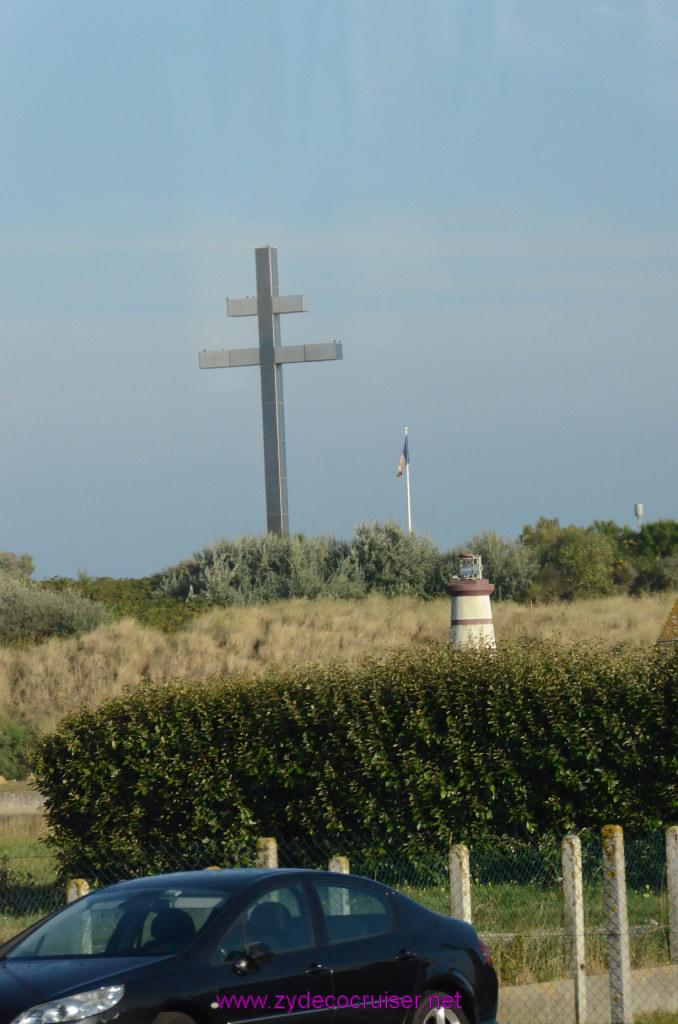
column 259, row 952
column 254, row 955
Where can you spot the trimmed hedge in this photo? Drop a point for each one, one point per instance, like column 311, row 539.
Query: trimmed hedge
column 394, row 755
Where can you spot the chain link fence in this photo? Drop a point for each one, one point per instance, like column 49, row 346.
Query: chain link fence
column 516, row 904
column 518, row 908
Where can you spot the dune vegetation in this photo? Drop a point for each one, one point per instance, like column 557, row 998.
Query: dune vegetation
column 41, row 683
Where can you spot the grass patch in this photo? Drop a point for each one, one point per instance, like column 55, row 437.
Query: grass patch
column 28, row 872
column 515, row 921
column 21, row 835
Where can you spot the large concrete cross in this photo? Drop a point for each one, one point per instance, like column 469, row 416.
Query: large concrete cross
column 267, row 306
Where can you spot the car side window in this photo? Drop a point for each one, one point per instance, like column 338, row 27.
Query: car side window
column 354, row 911
column 280, row 919
column 171, row 923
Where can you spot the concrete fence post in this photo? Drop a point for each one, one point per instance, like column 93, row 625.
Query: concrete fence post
column 340, row 904
column 573, row 914
column 267, row 853
column 460, row 882
column 75, row 888
column 672, row 889
column 618, row 954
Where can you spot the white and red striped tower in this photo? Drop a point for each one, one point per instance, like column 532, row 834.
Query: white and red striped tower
column 471, row 619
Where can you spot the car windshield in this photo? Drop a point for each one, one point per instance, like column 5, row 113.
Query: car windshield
column 148, row 922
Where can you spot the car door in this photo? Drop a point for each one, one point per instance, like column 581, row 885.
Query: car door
column 375, row 974
column 290, row 984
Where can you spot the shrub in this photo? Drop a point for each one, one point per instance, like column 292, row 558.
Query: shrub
column 29, row 613
column 20, row 566
column 131, row 598
column 662, row 575
column 401, row 752
column 380, row 558
column 18, row 742
column 394, row 562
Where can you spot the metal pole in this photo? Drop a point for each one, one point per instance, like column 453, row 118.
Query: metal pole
column 407, row 479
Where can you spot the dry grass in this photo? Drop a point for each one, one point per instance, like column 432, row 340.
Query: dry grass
column 612, row 621
column 42, row 683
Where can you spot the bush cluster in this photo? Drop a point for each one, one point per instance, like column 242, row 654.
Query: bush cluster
column 140, row 599
column 379, row 557
column 28, row 613
column 18, row 566
column 549, row 562
column 400, row 753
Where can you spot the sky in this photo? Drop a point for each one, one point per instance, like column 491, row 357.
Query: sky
column 478, row 196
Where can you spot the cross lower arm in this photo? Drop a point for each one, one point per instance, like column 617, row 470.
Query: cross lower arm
column 282, row 354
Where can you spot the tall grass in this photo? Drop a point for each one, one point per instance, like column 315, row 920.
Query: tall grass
column 40, row 684
column 613, row 621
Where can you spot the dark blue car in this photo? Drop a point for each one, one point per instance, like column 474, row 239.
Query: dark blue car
column 250, row 945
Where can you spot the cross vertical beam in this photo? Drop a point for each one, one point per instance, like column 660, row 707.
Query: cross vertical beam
column 272, row 403
column 270, row 356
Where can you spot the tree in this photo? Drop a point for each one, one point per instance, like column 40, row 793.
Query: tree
column 585, row 560
column 662, row 575
column 573, row 561
column 507, row 563
column 541, row 537
column 657, row 540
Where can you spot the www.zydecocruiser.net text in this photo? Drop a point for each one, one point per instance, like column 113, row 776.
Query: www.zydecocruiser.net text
column 306, row 1001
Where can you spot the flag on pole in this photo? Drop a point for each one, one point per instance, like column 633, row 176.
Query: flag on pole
column 404, row 458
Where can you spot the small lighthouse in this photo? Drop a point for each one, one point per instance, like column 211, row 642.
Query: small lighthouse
column 471, row 620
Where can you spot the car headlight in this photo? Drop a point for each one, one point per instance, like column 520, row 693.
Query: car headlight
column 71, row 1008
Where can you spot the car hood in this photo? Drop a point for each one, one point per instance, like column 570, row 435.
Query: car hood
column 26, row 983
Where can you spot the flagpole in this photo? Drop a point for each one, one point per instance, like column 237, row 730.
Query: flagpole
column 407, row 477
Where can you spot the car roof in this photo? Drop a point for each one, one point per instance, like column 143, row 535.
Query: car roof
column 232, row 878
